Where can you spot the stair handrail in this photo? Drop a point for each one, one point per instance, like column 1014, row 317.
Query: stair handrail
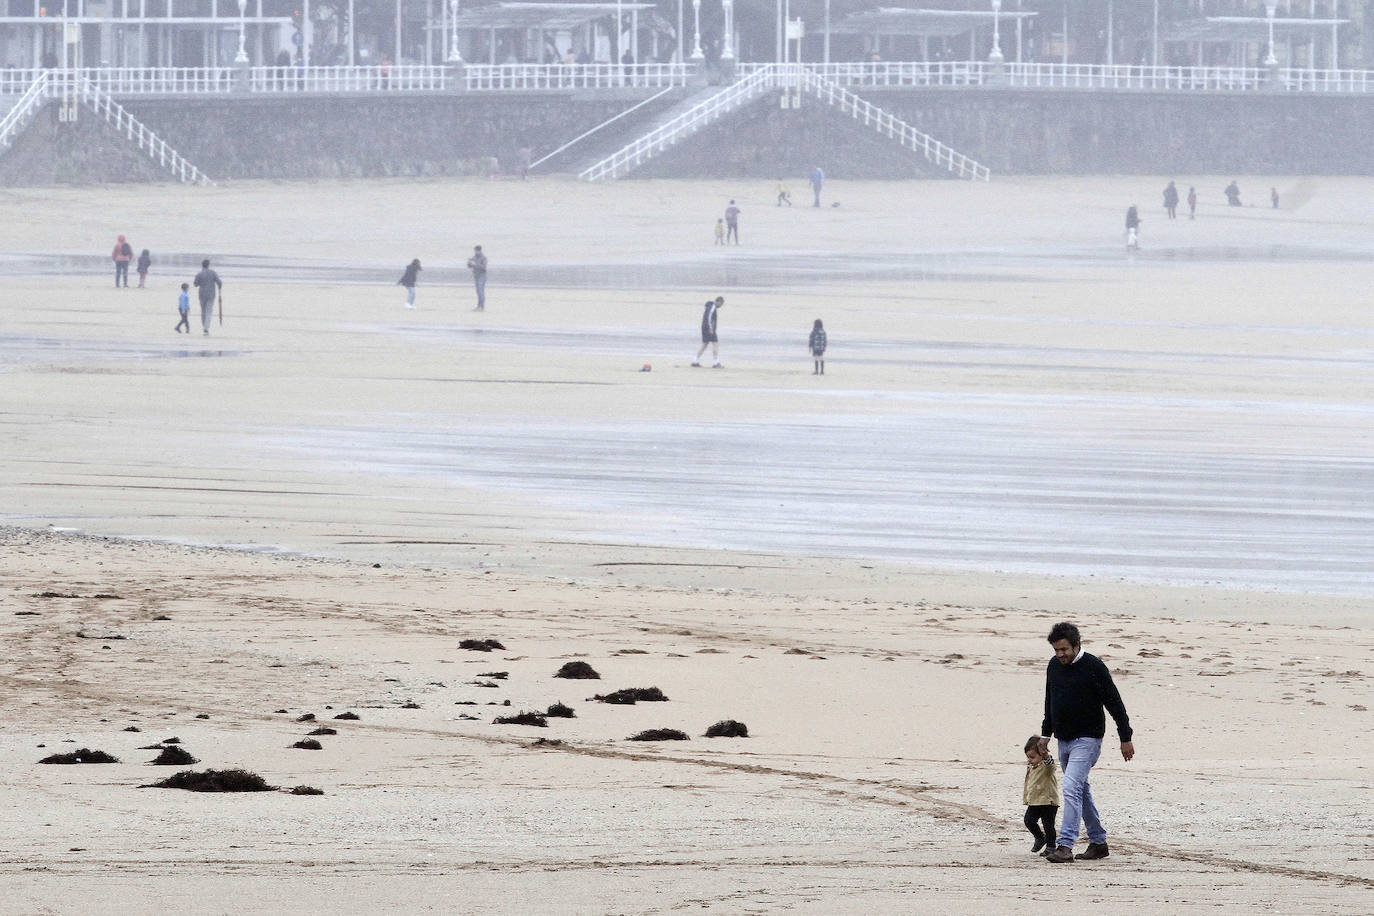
column 689, row 121
column 885, row 122
column 606, row 123
column 32, row 99
column 102, row 103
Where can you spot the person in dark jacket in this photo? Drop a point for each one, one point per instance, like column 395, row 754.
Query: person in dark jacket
column 817, row 344
column 408, row 281
column 1132, row 227
column 1078, row 687
column 1171, row 200
column 145, row 260
column 708, row 332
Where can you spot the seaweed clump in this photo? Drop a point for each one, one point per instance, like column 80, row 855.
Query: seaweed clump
column 308, row 744
column 480, row 645
column 306, row 790
column 578, row 671
column 214, row 781
column 84, row 755
column 728, row 728
column 659, row 734
column 173, row 756
column 523, row 718
column 632, row 695
column 559, row 711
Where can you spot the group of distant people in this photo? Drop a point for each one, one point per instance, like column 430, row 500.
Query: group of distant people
column 207, row 283
column 1171, row 201
column 727, row 226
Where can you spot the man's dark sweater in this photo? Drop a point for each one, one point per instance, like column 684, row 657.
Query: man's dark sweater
column 1074, row 697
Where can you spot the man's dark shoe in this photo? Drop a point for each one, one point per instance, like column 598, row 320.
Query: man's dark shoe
column 1060, row 854
column 1095, row 851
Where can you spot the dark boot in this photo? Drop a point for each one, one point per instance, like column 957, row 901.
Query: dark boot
column 1095, row 851
column 1060, row 854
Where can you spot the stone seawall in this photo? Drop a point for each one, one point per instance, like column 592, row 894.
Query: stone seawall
column 1011, row 131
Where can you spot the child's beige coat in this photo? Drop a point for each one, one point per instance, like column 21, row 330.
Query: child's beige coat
column 1042, row 783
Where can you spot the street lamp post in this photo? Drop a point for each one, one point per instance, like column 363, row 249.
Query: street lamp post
column 995, row 56
column 727, row 52
column 455, row 56
column 1270, row 8
column 242, row 56
column 696, row 31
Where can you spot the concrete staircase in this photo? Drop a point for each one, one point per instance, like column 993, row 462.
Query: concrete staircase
column 697, row 112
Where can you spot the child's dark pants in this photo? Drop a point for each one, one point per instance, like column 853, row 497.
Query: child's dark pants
column 1040, row 821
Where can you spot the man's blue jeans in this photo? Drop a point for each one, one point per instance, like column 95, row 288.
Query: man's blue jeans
column 480, row 281
column 1076, row 759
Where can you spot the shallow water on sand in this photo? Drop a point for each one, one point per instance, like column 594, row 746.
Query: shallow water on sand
column 1026, row 484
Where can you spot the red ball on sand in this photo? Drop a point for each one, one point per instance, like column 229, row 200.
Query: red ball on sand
column 647, row 368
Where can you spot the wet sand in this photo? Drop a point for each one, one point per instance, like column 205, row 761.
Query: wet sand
column 1019, row 422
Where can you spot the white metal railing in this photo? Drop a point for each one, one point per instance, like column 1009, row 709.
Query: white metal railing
column 119, row 118
column 898, row 74
column 535, row 77
column 688, row 122
column 29, row 103
column 574, row 76
column 885, row 123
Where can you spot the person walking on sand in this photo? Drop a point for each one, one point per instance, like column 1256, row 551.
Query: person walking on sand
column 720, row 232
column 817, row 344
column 1274, row 197
column 1040, row 795
column 732, row 223
column 817, row 180
column 123, row 253
column 1078, row 687
column 1171, row 200
column 145, row 260
column 184, row 309
column 478, row 265
column 208, row 285
column 1132, row 227
column 1192, row 202
column 1232, row 192
column 784, row 195
column 408, row 281
column 708, row 332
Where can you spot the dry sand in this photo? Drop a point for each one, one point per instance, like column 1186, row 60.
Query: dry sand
column 862, row 573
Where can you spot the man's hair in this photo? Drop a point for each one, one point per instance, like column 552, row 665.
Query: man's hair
column 205, row 263
column 185, row 286
column 1032, row 741
column 1064, row 631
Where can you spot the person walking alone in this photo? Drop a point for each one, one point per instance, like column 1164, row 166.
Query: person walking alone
column 478, row 265
column 408, row 279
column 817, row 344
column 208, row 284
column 708, row 332
column 817, row 180
column 1171, row 200
column 1078, row 687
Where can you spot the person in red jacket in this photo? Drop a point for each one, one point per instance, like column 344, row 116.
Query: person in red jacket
column 123, row 253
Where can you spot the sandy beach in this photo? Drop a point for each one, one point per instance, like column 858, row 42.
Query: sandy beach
column 1020, row 423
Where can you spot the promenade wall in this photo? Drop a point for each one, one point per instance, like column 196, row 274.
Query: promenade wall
column 1011, row 131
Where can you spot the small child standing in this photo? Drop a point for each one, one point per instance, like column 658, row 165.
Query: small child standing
column 1040, row 796
column 184, row 307
column 818, row 347
column 145, row 260
column 408, row 280
column 720, row 232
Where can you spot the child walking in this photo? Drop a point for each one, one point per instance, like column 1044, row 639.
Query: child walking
column 818, row 347
column 1040, row 796
column 184, row 307
column 145, row 260
column 720, row 232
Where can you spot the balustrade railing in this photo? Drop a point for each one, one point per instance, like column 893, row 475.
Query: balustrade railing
column 124, row 81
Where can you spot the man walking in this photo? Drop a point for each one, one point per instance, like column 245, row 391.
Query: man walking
column 708, row 332
column 1078, row 687
column 208, row 284
column 817, row 180
column 478, row 265
column 732, row 223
